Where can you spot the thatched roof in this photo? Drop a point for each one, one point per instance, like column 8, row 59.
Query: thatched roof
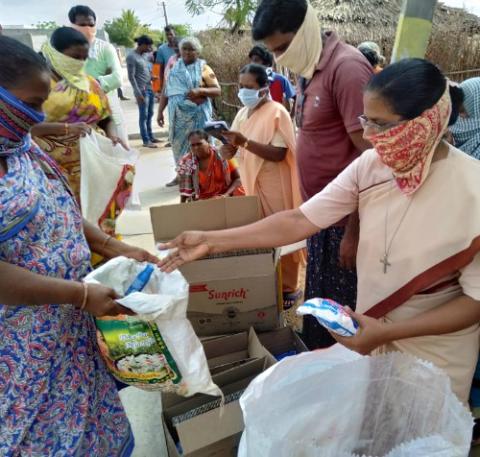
column 358, row 20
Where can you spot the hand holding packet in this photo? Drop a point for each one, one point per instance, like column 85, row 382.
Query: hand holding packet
column 330, row 315
column 215, row 129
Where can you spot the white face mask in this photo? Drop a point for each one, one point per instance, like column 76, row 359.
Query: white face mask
column 303, row 54
column 250, row 98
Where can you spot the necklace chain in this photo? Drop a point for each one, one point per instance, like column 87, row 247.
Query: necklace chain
column 388, row 245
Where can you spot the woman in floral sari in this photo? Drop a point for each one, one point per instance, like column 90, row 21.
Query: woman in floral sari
column 204, row 174
column 190, row 86
column 56, row 396
column 76, row 105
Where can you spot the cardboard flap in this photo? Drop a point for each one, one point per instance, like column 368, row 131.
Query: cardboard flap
column 231, row 349
column 200, row 431
column 168, row 221
column 229, row 267
column 230, row 381
column 280, row 341
column 235, row 348
column 257, row 350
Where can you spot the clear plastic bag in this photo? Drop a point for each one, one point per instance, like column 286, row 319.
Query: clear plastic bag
column 157, row 349
column 334, row 403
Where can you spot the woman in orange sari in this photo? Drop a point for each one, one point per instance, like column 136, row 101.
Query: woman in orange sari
column 204, row 174
column 263, row 135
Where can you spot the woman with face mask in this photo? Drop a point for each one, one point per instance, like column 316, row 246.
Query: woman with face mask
column 76, row 105
column 418, row 268
column 263, row 136
column 56, row 395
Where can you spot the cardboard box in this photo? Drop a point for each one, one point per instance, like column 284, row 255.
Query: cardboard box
column 281, row 341
column 232, row 292
column 196, row 422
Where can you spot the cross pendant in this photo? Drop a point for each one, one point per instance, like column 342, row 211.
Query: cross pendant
column 386, row 263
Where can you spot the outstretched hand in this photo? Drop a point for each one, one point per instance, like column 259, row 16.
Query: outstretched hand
column 187, row 247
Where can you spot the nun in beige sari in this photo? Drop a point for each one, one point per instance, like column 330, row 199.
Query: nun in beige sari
column 418, row 258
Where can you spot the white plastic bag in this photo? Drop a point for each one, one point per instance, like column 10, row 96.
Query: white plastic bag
column 103, row 167
column 158, row 349
column 334, row 403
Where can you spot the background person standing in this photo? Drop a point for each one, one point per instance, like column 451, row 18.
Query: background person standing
column 164, row 52
column 140, row 78
column 102, row 64
column 329, row 102
column 281, row 89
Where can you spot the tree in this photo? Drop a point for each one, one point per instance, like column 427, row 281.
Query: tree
column 47, row 25
column 124, row 29
column 181, row 30
column 236, row 13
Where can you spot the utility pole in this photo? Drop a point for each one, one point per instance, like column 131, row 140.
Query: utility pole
column 414, row 29
column 165, row 12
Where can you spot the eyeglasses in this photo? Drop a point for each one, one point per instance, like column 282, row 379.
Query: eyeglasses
column 366, row 122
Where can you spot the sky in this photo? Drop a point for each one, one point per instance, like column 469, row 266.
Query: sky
column 28, row 12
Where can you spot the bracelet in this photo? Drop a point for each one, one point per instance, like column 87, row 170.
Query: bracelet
column 246, row 144
column 106, row 240
column 85, row 296
column 67, row 129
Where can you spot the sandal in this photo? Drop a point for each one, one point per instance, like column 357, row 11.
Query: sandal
column 290, row 299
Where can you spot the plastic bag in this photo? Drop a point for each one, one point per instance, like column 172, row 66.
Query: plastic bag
column 158, row 349
column 106, row 171
column 334, row 403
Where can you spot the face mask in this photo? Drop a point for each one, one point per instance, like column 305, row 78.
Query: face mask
column 17, row 118
column 303, row 54
column 250, row 98
column 72, row 70
column 89, row 32
column 408, row 149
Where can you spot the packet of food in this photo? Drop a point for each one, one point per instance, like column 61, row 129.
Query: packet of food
column 156, row 349
column 330, row 315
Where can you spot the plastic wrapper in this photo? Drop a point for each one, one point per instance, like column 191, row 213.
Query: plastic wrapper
column 329, row 314
column 156, row 349
column 335, row 403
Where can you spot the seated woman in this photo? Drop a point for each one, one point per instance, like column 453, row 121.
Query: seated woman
column 263, row 135
column 76, row 105
column 418, row 268
column 204, row 174
column 466, row 131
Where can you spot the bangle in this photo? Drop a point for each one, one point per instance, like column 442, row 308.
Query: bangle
column 246, row 144
column 105, row 241
column 85, row 296
column 67, row 128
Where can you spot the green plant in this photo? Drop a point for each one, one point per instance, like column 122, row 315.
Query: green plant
column 236, row 13
column 47, row 25
column 124, row 29
column 181, row 30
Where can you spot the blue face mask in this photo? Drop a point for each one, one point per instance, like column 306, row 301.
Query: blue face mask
column 250, row 97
